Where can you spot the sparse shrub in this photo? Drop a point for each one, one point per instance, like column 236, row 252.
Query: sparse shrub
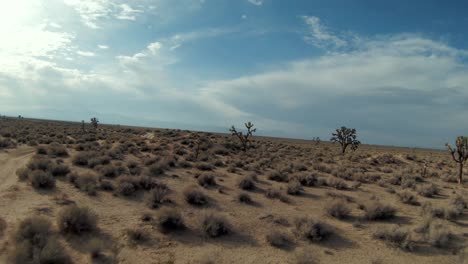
column 42, row 180
column 205, row 166
column 428, row 190
column 311, row 229
column 35, row 243
column 438, row 236
column 308, row 180
column 41, row 150
column 275, row 194
column 215, row 225
column 60, row 170
column 378, row 211
column 86, row 183
column 157, row 196
column 57, row 150
column 278, row 239
column 194, row 196
column 95, row 247
column 76, row 220
column 247, row 183
column 408, row 198
column 23, row 174
column 137, row 235
column 147, row 183
column 106, row 185
column 337, row 183
column 157, row 169
column 294, row 187
column 338, row 208
column 394, row 236
column 305, row 257
column 109, row 171
column 278, row 176
column 125, row 188
column 42, row 164
column 244, row 198
column 206, row 180
column 170, row 219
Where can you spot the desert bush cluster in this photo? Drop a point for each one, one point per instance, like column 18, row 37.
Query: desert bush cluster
column 212, row 186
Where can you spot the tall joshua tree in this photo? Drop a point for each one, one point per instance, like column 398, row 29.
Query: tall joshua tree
column 244, row 138
column 346, row 136
column 94, row 122
column 459, row 154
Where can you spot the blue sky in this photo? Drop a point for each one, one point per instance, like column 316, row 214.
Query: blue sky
column 397, row 71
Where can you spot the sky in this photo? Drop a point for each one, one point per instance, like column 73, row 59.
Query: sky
column 397, row 71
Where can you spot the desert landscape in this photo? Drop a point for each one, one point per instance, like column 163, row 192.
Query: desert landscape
column 92, row 193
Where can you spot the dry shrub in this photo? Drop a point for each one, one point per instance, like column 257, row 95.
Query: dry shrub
column 95, row 247
column 215, row 225
column 294, row 187
column 170, row 220
column 137, row 235
column 273, row 193
column 76, row 220
column 338, row 208
column 312, row 229
column 438, row 236
column 42, row 180
column 408, row 198
column 157, row 197
column 308, row 180
column 428, row 190
column 394, row 236
column 57, row 150
column 244, row 198
column 378, row 211
column 278, row 176
column 206, row 180
column 305, row 257
column 247, row 183
column 157, row 169
column 35, row 243
column 195, row 196
column 336, row 183
column 86, row 183
column 278, row 239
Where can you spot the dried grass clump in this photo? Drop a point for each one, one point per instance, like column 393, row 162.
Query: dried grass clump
column 195, row 196
column 338, row 209
column 378, row 211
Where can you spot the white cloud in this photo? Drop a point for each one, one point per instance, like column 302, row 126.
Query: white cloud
column 320, row 36
column 256, row 2
column 92, row 12
column 85, row 53
column 103, row 46
column 127, row 12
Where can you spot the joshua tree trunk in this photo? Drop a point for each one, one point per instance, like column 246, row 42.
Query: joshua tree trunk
column 460, row 173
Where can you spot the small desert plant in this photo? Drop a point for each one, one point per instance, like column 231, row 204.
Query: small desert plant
column 394, row 236
column 247, row 183
column 195, row 196
column 428, row 190
column 346, row 137
column 86, row 183
column 278, row 239
column 459, row 154
column 157, row 169
column 59, row 170
column 378, row 211
column 23, row 174
column 336, row 183
column 305, row 257
column 338, row 208
column 206, row 180
column 76, row 220
column 311, row 229
column 408, row 198
column 244, row 198
column 294, row 187
column 95, row 247
column 275, row 194
column 42, row 180
column 438, row 236
column 170, row 219
column 136, row 235
column 157, row 196
column 308, row 180
column 215, row 225
column 278, row 176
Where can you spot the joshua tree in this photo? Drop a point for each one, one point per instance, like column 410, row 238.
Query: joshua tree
column 94, row 122
column 244, row 138
column 346, row 136
column 460, row 154
column 82, row 126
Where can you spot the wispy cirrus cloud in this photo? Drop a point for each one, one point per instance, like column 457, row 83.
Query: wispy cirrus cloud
column 320, row 36
column 256, row 2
